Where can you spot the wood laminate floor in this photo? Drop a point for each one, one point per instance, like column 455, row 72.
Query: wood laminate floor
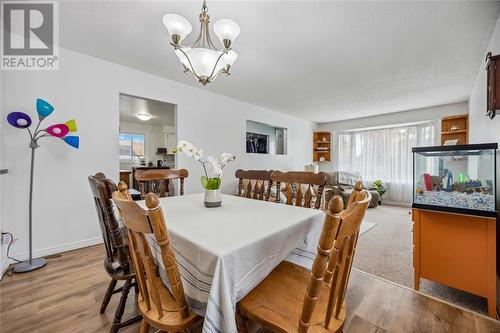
column 66, row 296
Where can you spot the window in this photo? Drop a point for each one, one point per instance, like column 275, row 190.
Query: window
column 131, row 146
column 386, row 154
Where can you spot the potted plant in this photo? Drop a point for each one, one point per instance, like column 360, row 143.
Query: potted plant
column 380, row 188
column 210, row 164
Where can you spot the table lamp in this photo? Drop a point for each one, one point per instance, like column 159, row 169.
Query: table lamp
column 23, row 121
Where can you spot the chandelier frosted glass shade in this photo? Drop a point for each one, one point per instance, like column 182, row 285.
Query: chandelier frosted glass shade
column 230, row 57
column 226, row 29
column 203, row 59
column 177, row 26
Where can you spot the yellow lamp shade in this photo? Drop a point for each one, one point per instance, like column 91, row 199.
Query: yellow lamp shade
column 71, row 125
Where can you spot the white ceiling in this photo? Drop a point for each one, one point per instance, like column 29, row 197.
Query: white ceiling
column 323, row 61
column 162, row 114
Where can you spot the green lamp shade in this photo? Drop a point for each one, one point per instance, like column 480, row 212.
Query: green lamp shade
column 19, row 119
column 73, row 141
column 43, row 108
column 58, row 130
column 71, row 125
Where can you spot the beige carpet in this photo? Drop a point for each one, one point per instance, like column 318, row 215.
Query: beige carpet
column 385, row 251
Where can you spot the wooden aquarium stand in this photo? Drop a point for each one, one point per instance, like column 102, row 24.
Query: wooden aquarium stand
column 457, row 250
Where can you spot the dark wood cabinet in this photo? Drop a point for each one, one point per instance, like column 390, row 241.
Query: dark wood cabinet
column 493, row 83
column 125, row 176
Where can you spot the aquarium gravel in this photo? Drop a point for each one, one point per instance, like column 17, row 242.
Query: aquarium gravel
column 474, row 200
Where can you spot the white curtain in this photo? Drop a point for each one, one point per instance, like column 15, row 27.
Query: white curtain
column 386, row 154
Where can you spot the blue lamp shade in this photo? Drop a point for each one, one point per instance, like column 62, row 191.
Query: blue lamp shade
column 73, row 141
column 58, row 130
column 43, row 108
column 19, row 119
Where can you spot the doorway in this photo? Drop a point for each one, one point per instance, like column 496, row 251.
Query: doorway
column 147, row 136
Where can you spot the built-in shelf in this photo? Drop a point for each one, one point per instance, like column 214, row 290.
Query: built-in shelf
column 455, row 128
column 453, row 132
column 323, row 140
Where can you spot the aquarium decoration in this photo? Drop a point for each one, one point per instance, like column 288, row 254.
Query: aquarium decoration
column 458, row 179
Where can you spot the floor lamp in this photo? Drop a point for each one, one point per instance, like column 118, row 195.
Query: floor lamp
column 23, row 121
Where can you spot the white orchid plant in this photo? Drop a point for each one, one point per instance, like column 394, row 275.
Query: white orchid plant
column 210, row 163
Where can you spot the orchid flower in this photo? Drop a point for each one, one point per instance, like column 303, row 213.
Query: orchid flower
column 215, row 165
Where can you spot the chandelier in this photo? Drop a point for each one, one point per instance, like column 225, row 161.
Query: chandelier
column 202, row 58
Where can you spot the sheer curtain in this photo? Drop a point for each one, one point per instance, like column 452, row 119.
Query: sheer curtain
column 386, row 154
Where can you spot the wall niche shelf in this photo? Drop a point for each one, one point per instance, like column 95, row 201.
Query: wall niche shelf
column 322, row 146
column 455, row 128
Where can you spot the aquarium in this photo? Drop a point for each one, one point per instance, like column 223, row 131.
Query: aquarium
column 458, row 179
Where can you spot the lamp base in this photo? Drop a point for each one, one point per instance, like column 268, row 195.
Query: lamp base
column 28, row 266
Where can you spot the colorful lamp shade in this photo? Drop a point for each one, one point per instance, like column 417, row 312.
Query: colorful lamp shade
column 71, row 125
column 23, row 121
column 73, row 141
column 58, row 130
column 19, row 119
column 43, row 108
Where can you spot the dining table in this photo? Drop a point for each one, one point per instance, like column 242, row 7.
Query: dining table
column 224, row 252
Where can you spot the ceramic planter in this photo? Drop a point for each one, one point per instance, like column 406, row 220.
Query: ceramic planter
column 213, row 198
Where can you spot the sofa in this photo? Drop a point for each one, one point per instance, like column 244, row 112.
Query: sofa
column 342, row 183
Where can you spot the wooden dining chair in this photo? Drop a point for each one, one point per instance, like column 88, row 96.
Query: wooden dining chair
column 117, row 261
column 160, row 308
column 276, row 302
column 255, row 184
column 358, row 188
column 301, row 188
column 160, row 181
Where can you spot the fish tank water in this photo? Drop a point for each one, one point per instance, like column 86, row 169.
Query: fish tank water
column 459, row 179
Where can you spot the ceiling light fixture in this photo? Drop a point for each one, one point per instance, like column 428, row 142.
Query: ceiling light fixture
column 144, row 116
column 202, row 58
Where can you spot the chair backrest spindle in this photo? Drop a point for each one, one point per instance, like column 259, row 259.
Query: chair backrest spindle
column 116, row 252
column 300, row 187
column 333, row 262
column 258, row 184
column 138, row 223
column 160, row 181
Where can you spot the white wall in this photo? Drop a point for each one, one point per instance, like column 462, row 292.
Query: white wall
column 482, row 128
column 88, row 89
column 411, row 116
column 3, row 254
column 485, row 130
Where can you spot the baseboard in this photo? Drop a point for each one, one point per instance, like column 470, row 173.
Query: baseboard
column 396, row 203
column 52, row 250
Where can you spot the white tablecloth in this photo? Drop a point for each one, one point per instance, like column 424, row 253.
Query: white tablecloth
column 224, row 252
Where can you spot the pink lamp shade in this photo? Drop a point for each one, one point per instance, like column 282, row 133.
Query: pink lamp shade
column 58, row 130
column 19, row 119
column 43, row 108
